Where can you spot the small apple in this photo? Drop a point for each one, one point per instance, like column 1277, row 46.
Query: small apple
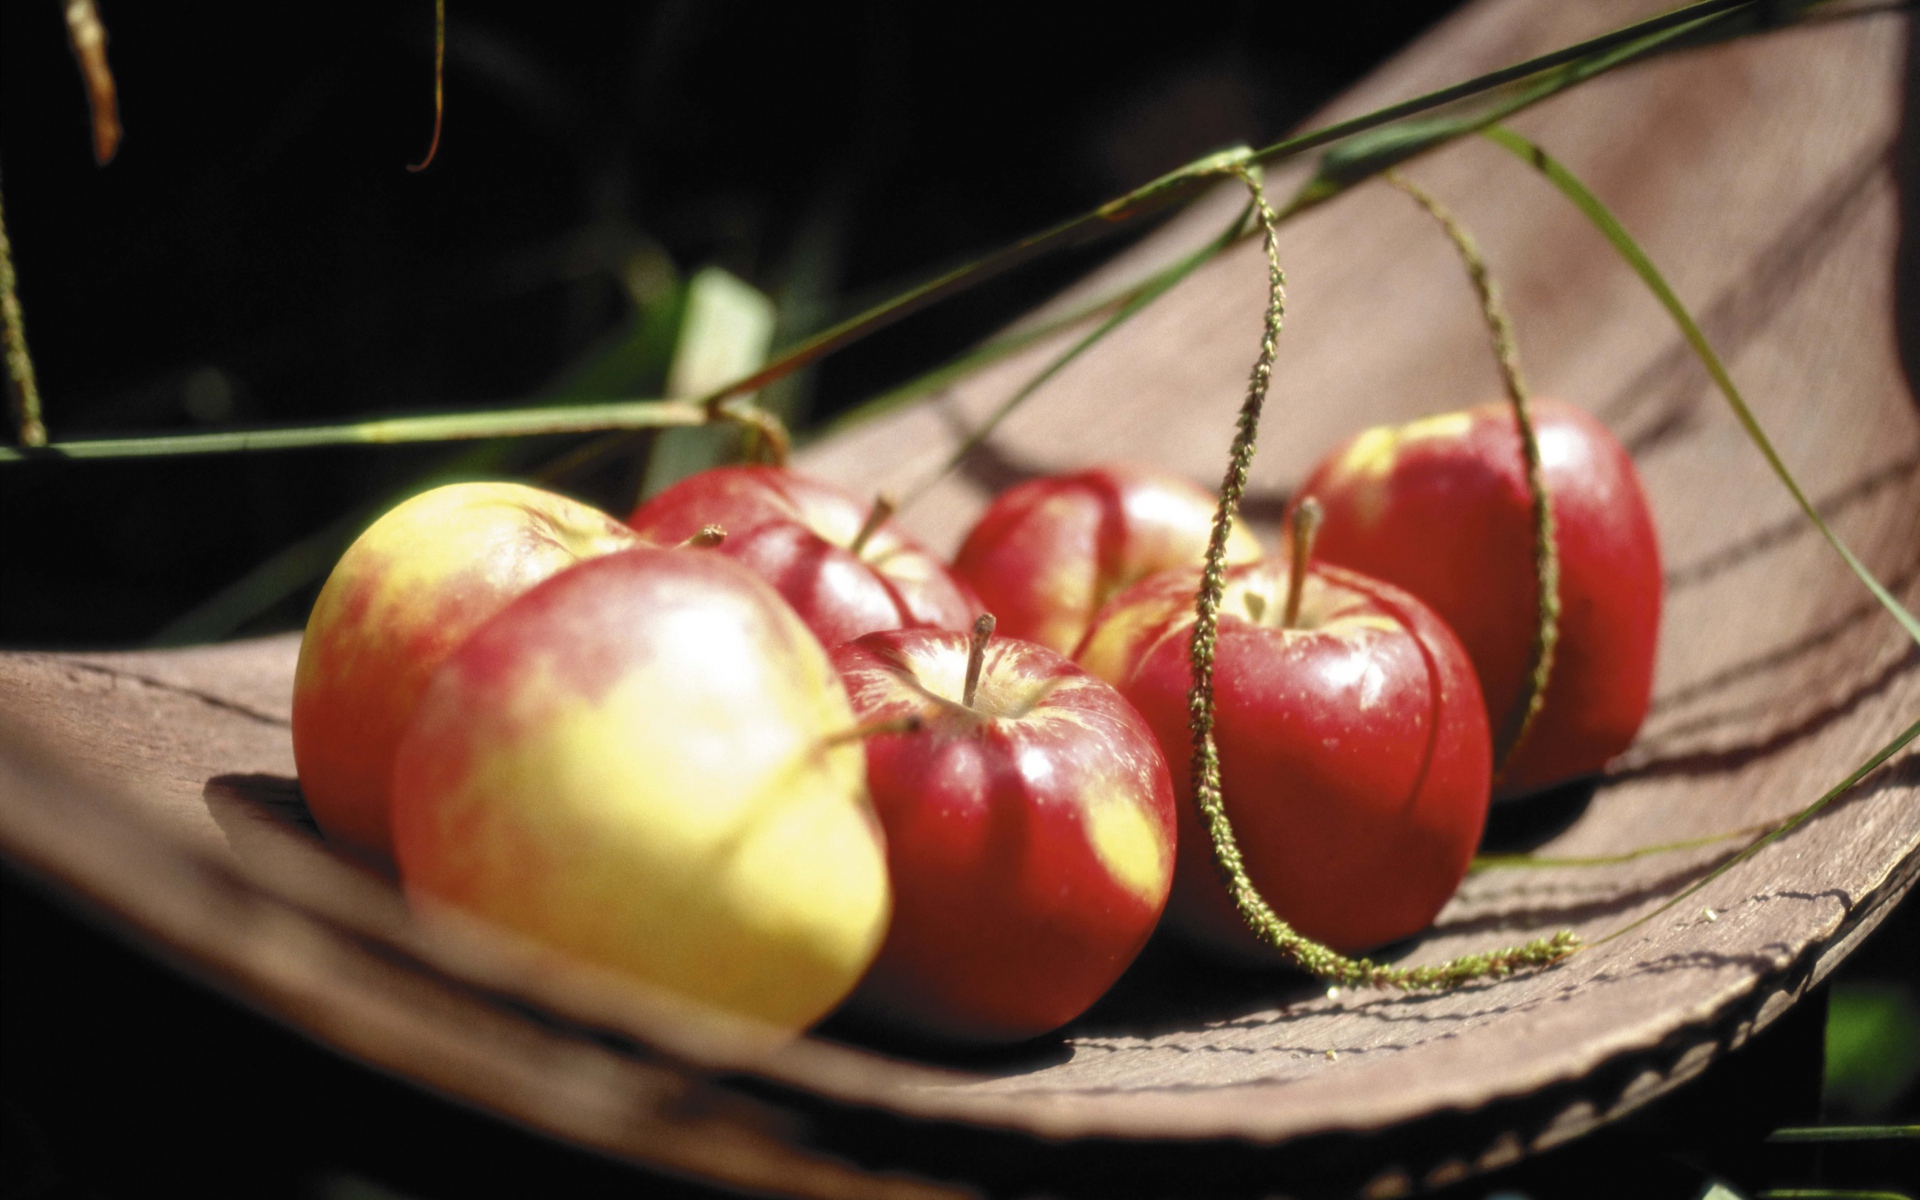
column 637, row 763
column 402, row 597
column 1030, row 831
column 1440, row 507
column 843, row 565
column 1049, row 552
column 1354, row 756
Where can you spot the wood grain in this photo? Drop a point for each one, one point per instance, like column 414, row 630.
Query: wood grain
column 1757, row 175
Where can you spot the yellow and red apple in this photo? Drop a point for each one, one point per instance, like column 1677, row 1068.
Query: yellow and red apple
column 403, row 597
column 642, row 763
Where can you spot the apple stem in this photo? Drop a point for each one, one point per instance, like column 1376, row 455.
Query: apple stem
column 1306, row 524
column 884, row 506
column 708, row 537
column 976, row 656
column 911, row 723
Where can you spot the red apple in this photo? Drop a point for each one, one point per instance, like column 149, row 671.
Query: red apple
column 1049, row 552
column 1030, row 832
column 1354, row 755
column 1441, row 508
column 815, row 545
column 402, row 597
column 642, row 763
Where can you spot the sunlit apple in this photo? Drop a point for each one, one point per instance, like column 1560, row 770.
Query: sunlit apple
column 1030, row 831
column 400, row 600
column 842, row 564
column 643, row 763
column 1441, row 508
column 1049, row 552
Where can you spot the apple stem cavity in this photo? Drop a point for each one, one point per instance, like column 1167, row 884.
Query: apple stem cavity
column 976, row 656
column 911, row 723
column 1306, row 525
column 708, row 537
column 884, row 506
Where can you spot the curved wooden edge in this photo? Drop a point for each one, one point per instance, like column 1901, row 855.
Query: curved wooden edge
column 345, row 986
column 331, row 950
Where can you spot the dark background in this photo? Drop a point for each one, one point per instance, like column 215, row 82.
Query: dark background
column 258, row 254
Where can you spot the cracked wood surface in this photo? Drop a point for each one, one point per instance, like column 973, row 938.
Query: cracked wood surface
column 1756, row 175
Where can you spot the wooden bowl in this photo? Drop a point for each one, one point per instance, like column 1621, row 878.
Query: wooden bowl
column 158, row 787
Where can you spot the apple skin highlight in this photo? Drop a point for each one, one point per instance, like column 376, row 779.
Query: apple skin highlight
column 635, row 764
column 797, row 533
column 1354, row 755
column 1048, row 553
column 1030, row 836
column 403, row 597
column 1441, row 508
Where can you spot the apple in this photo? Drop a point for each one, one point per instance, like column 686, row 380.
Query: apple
column 1049, row 552
column 1354, row 755
column 402, row 597
column 1030, row 831
column 1440, row 507
column 640, row 763
column 846, row 568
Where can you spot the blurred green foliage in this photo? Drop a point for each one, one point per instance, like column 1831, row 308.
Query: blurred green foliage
column 1873, row 1047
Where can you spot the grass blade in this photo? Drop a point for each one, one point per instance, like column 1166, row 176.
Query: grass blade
column 1146, row 294
column 390, row 431
column 984, row 355
column 1340, row 130
column 1794, row 822
column 1584, row 60
column 1504, row 862
column 1844, row 1133
column 1187, row 182
column 283, row 573
column 1615, row 233
column 1377, row 150
column 1823, row 1193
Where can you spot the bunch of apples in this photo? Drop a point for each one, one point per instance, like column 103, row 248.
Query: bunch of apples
column 758, row 747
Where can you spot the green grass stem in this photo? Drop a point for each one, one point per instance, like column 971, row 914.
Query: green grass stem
column 987, row 353
column 1788, row 826
column 1616, row 234
column 1152, row 290
column 1845, row 1133
column 1820, row 1193
column 1557, row 70
column 1506, row 862
column 1381, row 146
column 389, row 431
